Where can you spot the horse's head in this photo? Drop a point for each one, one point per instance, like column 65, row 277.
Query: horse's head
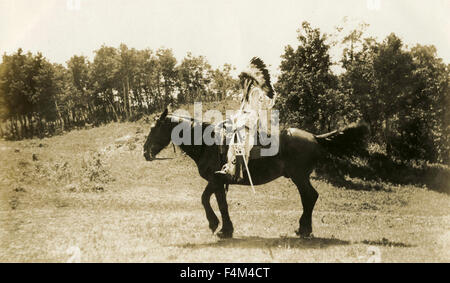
column 158, row 138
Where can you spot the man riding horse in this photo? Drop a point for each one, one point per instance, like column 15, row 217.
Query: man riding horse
column 257, row 98
column 298, row 154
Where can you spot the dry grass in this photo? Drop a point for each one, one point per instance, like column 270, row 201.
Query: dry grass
column 89, row 189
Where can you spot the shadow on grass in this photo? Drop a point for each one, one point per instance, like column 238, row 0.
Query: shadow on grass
column 386, row 243
column 371, row 170
column 289, row 243
column 261, row 243
column 357, row 185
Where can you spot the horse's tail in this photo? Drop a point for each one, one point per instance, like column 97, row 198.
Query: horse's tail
column 346, row 142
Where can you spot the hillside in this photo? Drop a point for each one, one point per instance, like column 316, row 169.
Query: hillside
column 92, row 189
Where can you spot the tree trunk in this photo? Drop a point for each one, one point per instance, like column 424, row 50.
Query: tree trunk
column 125, row 100
column 130, row 113
column 113, row 110
column 16, row 128
column 22, row 126
column 2, row 133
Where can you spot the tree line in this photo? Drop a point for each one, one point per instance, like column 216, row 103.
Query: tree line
column 40, row 98
column 401, row 93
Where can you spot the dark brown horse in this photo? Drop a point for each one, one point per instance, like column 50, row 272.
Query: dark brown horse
column 299, row 152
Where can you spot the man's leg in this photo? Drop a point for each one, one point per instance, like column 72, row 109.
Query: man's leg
column 238, row 143
column 229, row 169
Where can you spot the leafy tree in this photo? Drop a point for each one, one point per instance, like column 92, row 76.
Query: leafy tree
column 167, row 76
column 103, row 73
column 78, row 94
column 306, row 80
column 15, row 86
column 28, row 90
column 223, row 84
column 359, row 82
column 423, row 130
column 38, row 97
column 127, row 74
column 401, row 94
column 194, row 77
column 147, row 79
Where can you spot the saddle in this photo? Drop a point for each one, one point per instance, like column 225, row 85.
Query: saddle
column 226, row 136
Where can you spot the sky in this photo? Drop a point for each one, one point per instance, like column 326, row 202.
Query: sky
column 225, row 31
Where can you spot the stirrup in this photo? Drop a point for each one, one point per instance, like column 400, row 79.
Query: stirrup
column 221, row 172
column 224, row 176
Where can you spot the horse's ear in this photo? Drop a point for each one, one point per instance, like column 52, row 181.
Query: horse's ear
column 169, row 107
column 164, row 114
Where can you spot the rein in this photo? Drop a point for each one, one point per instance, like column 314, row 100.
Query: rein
column 193, row 120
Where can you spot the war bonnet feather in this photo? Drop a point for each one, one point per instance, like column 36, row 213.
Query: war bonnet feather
column 258, row 72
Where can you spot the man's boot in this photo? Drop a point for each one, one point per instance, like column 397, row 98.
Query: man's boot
column 228, row 171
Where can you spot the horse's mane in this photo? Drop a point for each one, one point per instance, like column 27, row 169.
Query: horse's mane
column 191, row 120
column 188, row 119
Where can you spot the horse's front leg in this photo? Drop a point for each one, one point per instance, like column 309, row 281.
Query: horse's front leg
column 210, row 215
column 227, row 225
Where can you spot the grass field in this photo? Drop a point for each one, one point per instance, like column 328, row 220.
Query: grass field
column 92, row 189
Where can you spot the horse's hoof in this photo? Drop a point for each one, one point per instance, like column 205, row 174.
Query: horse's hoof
column 304, row 233
column 225, row 234
column 309, row 237
column 213, row 226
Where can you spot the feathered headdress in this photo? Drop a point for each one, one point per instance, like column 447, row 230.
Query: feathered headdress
column 258, row 72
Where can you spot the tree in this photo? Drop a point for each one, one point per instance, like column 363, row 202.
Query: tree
column 194, row 77
column 16, row 90
column 401, row 93
column 27, row 88
column 147, row 79
column 38, row 97
column 223, row 84
column 77, row 88
column 167, row 76
column 305, row 81
column 424, row 130
column 350, row 39
column 360, row 83
column 103, row 74
column 127, row 75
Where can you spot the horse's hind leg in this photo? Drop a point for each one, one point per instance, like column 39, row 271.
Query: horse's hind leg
column 227, row 225
column 309, row 197
column 210, row 215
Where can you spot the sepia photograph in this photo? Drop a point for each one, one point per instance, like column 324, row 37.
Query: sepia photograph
column 248, row 132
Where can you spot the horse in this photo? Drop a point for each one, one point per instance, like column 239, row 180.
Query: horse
column 299, row 153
